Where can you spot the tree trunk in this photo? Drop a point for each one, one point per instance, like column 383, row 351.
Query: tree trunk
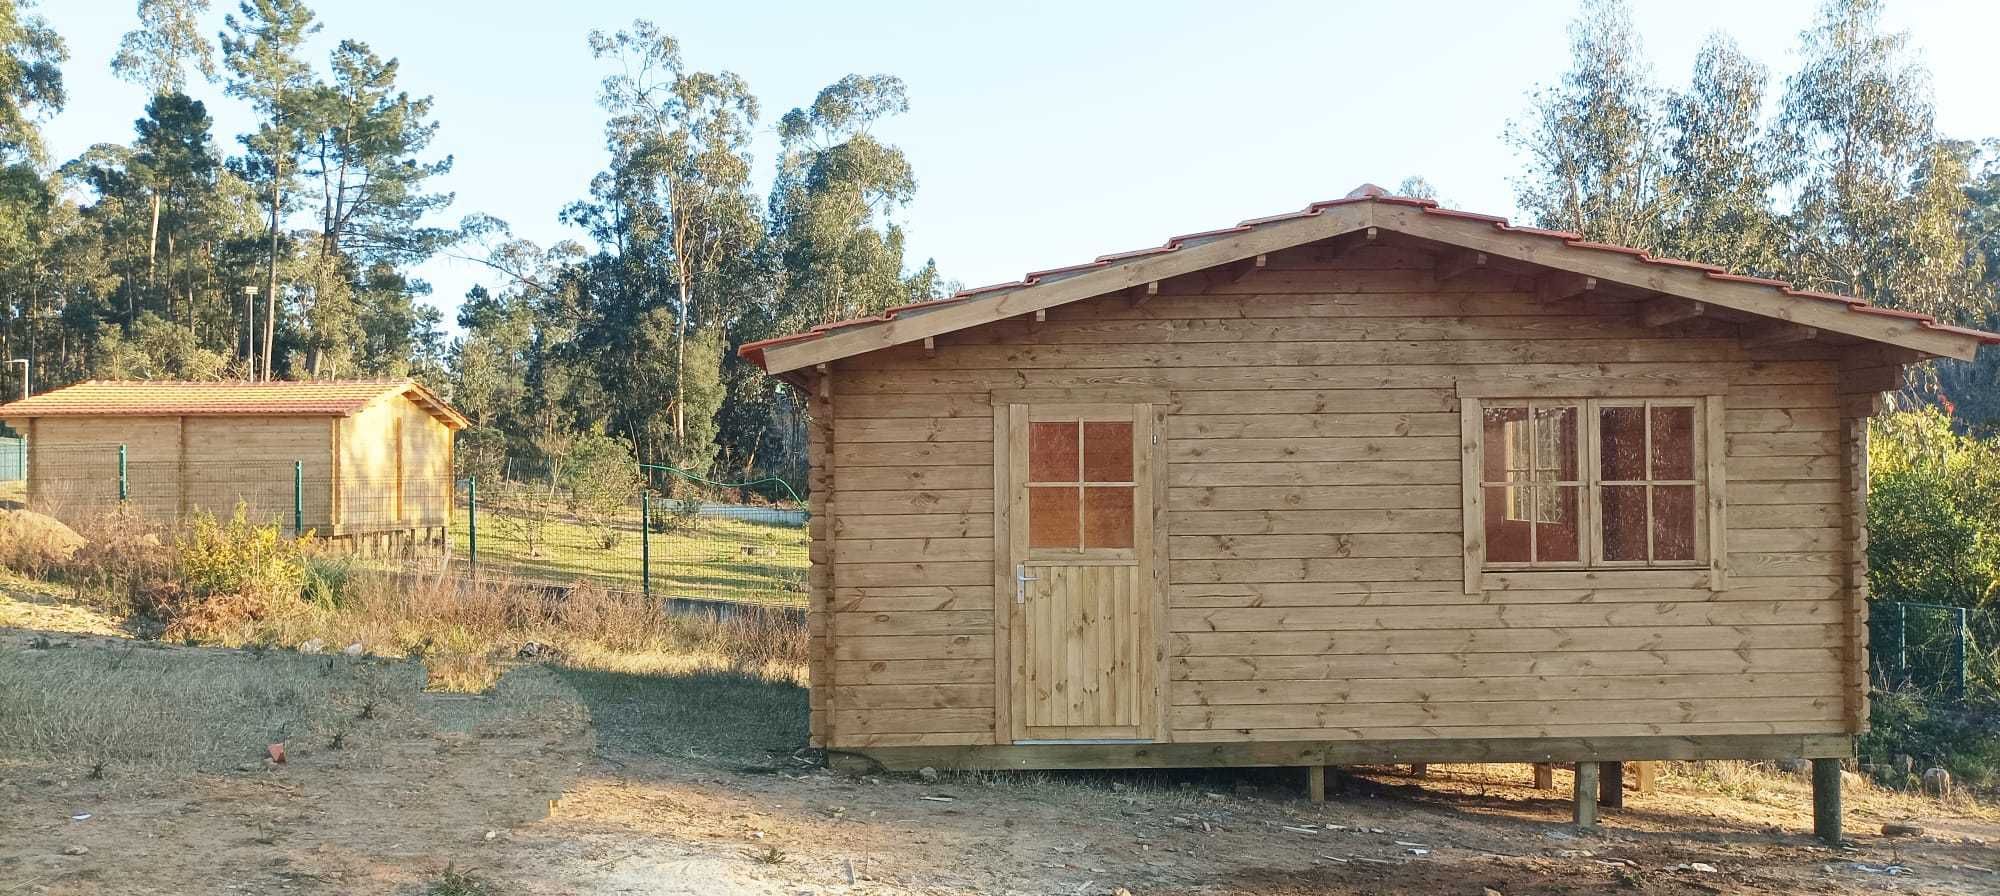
column 153, row 241
column 271, row 293
column 680, row 363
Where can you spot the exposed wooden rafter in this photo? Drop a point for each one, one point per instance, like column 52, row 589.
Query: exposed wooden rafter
column 930, row 346
column 1777, row 334
column 1561, row 286
column 1140, row 294
column 1669, row 310
column 1452, row 265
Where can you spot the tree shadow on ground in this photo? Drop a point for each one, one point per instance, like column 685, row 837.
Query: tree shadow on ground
column 727, row 718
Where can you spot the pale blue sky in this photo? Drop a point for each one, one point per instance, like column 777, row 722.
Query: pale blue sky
column 1042, row 133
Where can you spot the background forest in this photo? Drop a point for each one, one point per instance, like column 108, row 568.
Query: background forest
column 286, row 251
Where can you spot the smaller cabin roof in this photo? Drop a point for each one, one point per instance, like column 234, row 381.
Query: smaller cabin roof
column 171, row 398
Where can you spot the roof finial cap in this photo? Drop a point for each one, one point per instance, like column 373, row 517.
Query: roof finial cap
column 1367, row 191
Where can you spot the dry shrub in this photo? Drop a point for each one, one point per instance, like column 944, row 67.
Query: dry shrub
column 34, row 544
column 123, row 561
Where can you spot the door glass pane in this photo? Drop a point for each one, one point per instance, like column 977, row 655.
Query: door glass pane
column 1673, row 522
column 1506, row 443
column 1052, row 517
column 1624, row 522
column 1622, row 443
column 1558, row 526
column 1555, row 444
column 1107, row 452
column 1052, row 452
column 1673, row 443
column 1107, row 517
column 1506, row 527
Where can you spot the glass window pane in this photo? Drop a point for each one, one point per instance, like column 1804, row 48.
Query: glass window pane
column 1558, row 525
column 1624, row 522
column 1107, row 452
column 1506, row 443
column 1052, row 521
column 1506, row 532
column 1107, row 517
column 1622, row 443
column 1673, row 443
column 1673, row 522
column 1052, row 452
column 1555, row 444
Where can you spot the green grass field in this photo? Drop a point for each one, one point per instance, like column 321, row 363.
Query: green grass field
column 714, row 557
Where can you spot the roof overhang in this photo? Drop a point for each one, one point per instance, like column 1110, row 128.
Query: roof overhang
column 1775, row 300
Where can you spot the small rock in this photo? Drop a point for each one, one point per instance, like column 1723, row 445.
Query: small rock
column 1902, row 829
column 313, row 646
column 1937, row 782
column 353, row 649
column 928, row 775
column 492, row 834
column 277, row 752
column 77, row 850
column 1489, row 891
column 1702, row 867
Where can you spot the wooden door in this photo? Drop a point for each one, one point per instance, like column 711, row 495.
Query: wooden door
column 1079, row 552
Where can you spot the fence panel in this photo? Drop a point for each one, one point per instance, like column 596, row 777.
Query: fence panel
column 1938, row 650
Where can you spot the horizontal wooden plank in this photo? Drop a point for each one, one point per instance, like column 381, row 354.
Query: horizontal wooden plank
column 1289, row 450
column 970, row 405
column 932, row 741
column 1780, row 419
column 1320, row 401
column 912, row 598
column 1309, row 522
column 911, row 454
column 861, row 479
column 1564, row 616
column 951, row 354
column 912, row 696
column 1600, row 579
column 849, row 723
column 1700, row 637
column 1314, row 497
column 969, row 500
column 1684, row 711
column 1580, row 663
column 913, row 428
column 1781, row 469
column 1782, row 444
column 1403, row 569
column 1556, row 377
column 897, row 550
column 1296, row 748
column 1432, row 472
column 1599, row 734
column 1779, row 540
column 1279, row 547
column 913, row 525
column 913, row 647
column 1779, row 516
column 1429, row 594
column 1754, row 565
column 1294, row 426
column 1456, row 689
column 940, row 572
column 918, row 622
column 1819, row 491
column 923, row 672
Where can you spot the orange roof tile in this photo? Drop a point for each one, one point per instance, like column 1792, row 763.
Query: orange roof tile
column 167, row 398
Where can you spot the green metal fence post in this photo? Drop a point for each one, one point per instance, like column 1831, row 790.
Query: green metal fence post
column 646, row 544
column 1962, row 652
column 298, row 498
column 124, row 485
column 472, row 521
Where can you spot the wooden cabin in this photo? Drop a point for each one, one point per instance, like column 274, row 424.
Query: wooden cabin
column 1371, row 482
column 360, row 461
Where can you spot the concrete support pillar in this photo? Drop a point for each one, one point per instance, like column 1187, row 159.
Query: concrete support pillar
column 1826, row 799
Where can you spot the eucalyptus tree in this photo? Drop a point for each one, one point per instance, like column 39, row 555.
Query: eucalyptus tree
column 31, row 84
column 1595, row 163
column 156, row 55
column 1719, row 169
column 674, row 209
column 261, row 50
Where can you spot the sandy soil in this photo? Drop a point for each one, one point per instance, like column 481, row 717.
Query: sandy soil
column 560, row 804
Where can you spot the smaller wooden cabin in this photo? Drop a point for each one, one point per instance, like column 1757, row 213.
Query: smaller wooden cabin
column 343, row 459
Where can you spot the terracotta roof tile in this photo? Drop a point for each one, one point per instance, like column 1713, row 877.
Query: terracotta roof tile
column 168, row 398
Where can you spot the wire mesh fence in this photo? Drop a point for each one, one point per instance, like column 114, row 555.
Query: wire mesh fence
column 657, row 531
column 696, row 545
column 1942, row 652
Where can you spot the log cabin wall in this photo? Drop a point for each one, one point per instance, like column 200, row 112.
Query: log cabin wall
column 1316, row 575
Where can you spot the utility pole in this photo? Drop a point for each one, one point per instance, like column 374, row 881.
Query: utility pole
column 250, row 328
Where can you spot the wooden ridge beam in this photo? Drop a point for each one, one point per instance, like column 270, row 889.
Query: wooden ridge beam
column 1452, row 265
column 1562, row 286
column 1669, row 310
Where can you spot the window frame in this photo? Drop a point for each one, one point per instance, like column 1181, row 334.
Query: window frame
column 1590, row 397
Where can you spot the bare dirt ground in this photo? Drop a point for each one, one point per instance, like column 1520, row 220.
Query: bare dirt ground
column 578, row 782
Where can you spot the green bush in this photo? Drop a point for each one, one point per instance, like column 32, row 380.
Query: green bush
column 1960, row 737
column 228, row 573
column 1933, row 512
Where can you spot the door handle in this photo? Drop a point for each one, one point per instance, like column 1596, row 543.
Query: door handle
column 1021, row 580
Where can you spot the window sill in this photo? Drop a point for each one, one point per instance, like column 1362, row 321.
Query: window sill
column 1584, row 577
